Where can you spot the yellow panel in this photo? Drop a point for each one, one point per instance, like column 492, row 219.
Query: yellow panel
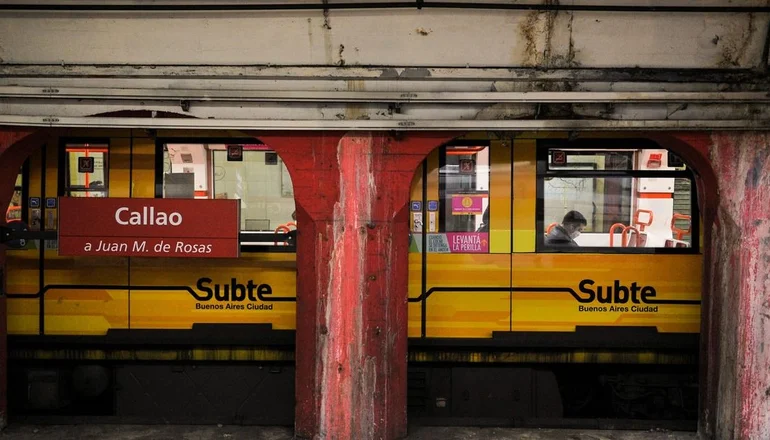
column 674, row 277
column 23, row 316
column 468, row 314
column 119, row 166
column 80, row 310
column 85, row 311
column 85, row 270
column 524, row 195
column 143, row 175
column 177, row 308
column 500, row 198
column 23, row 270
column 414, row 314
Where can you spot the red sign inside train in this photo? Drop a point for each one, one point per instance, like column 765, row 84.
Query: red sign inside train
column 186, row 228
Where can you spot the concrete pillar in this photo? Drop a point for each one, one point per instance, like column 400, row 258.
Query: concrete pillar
column 352, row 193
column 15, row 146
column 739, row 355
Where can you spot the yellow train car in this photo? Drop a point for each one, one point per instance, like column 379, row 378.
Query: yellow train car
column 544, row 273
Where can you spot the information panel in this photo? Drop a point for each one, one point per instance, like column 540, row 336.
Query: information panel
column 187, row 228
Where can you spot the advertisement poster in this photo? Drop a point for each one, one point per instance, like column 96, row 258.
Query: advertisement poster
column 452, row 243
column 463, row 204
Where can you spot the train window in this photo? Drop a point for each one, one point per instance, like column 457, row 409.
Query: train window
column 86, row 170
column 592, row 160
column 463, row 202
column 257, row 177
column 630, row 200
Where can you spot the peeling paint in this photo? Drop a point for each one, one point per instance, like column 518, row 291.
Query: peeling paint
column 389, row 73
column 742, row 280
column 341, row 61
column 310, row 43
column 528, row 32
column 416, row 72
column 539, row 30
column 734, row 47
column 326, row 24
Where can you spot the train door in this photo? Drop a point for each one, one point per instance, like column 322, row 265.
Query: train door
column 460, row 268
column 460, row 262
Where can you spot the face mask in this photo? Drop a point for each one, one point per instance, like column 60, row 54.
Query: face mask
column 574, row 235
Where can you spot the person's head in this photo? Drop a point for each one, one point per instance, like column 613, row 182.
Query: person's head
column 574, row 223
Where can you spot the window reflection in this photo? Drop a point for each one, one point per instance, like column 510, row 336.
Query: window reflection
column 259, row 180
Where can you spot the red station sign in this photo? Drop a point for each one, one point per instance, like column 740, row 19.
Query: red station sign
column 149, row 227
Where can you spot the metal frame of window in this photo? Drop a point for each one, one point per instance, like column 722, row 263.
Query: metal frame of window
column 442, row 177
column 543, row 171
column 64, row 167
column 251, row 241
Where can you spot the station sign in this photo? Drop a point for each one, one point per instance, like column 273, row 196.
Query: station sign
column 186, row 228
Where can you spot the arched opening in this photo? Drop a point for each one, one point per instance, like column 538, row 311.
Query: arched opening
column 180, row 340
column 498, row 311
column 144, row 159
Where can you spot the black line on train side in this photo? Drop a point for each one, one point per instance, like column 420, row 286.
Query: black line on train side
column 569, row 290
column 188, row 289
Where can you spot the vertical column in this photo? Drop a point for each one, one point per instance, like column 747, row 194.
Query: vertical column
column 695, row 149
column 15, row 147
column 352, row 193
column 740, row 280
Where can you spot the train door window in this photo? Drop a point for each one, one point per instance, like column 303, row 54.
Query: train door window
column 14, row 209
column 627, row 199
column 255, row 175
column 86, row 170
column 464, row 175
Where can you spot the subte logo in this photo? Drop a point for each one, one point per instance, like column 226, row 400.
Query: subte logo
column 232, row 293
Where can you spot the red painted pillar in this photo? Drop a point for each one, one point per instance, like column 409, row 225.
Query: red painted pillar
column 741, row 286
column 352, row 193
column 15, row 147
column 695, row 148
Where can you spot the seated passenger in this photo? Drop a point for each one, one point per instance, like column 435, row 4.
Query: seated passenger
column 564, row 235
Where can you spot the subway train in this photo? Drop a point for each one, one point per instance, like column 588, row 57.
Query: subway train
column 553, row 281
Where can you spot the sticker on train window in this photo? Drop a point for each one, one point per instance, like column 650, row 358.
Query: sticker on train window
column 86, row 170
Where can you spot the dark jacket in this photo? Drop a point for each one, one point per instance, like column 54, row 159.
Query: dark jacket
column 559, row 237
